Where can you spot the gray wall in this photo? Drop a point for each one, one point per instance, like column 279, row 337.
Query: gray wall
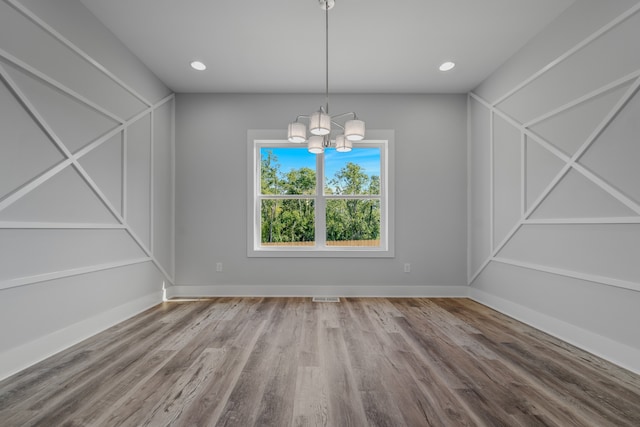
column 554, row 201
column 86, row 179
column 211, row 211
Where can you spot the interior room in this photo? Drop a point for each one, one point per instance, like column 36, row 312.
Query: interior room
column 507, row 201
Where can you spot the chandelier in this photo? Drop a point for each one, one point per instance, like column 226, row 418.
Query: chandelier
column 320, row 122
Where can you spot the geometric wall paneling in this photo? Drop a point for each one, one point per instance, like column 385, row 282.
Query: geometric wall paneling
column 541, row 168
column 138, row 178
column 507, row 177
column 163, row 185
column 103, row 164
column 479, row 182
column 575, row 196
column 569, row 129
column 615, row 154
column 601, row 250
column 35, row 48
column 25, row 150
column 63, row 198
column 561, row 84
column 31, row 252
column 56, row 107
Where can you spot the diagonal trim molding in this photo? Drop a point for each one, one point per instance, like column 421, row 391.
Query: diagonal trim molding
column 72, row 159
column 29, row 280
column 56, row 35
column 623, row 17
column 571, row 163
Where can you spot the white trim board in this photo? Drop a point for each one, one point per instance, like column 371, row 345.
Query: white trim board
column 187, row 291
column 19, row 358
column 601, row 346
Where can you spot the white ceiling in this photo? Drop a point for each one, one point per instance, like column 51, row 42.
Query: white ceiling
column 375, row 46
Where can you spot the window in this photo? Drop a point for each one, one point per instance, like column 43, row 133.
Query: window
column 331, row 204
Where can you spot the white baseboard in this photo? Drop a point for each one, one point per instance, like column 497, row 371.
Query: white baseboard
column 19, row 358
column 613, row 351
column 185, row 291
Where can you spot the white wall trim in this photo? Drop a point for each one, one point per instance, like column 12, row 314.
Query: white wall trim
column 192, row 291
column 469, row 184
column 604, row 89
column 19, row 358
column 30, row 280
column 39, row 75
column 72, row 159
column 492, row 178
column 523, row 174
column 603, row 220
column 609, row 281
column 603, row 30
column 59, row 225
column 613, row 351
column 59, row 37
column 571, row 163
column 31, row 185
column 152, row 212
column 173, row 189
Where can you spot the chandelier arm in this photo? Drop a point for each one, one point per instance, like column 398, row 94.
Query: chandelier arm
column 339, row 116
column 301, row 116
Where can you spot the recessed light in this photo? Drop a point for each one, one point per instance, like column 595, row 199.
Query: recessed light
column 446, row 66
column 197, row 65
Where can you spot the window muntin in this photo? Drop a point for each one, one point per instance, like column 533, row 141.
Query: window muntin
column 364, row 231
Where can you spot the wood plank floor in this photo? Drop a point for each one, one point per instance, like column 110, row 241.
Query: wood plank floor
column 292, row 362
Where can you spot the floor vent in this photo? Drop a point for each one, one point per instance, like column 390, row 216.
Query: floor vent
column 326, row 299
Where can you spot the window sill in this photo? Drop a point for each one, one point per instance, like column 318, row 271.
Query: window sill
column 319, row 253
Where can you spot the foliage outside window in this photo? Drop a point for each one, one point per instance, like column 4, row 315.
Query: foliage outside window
column 330, row 204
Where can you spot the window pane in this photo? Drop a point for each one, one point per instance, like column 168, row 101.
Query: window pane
column 353, row 222
column 287, row 171
column 287, row 222
column 355, row 172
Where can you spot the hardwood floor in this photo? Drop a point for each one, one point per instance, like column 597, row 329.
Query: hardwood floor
column 292, row 362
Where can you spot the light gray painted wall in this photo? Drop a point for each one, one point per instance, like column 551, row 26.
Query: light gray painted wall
column 86, row 177
column 558, row 242
column 430, row 186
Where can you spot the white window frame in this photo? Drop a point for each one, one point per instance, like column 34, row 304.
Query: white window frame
column 257, row 139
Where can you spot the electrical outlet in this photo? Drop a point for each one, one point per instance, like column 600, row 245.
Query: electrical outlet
column 218, row 266
column 407, row 268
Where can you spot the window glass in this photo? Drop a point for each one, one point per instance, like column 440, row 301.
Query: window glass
column 354, row 172
column 287, row 170
column 353, row 222
column 287, row 222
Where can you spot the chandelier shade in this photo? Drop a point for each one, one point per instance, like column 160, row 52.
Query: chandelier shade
column 297, row 132
column 354, row 130
column 320, row 122
column 316, row 144
column 343, row 145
